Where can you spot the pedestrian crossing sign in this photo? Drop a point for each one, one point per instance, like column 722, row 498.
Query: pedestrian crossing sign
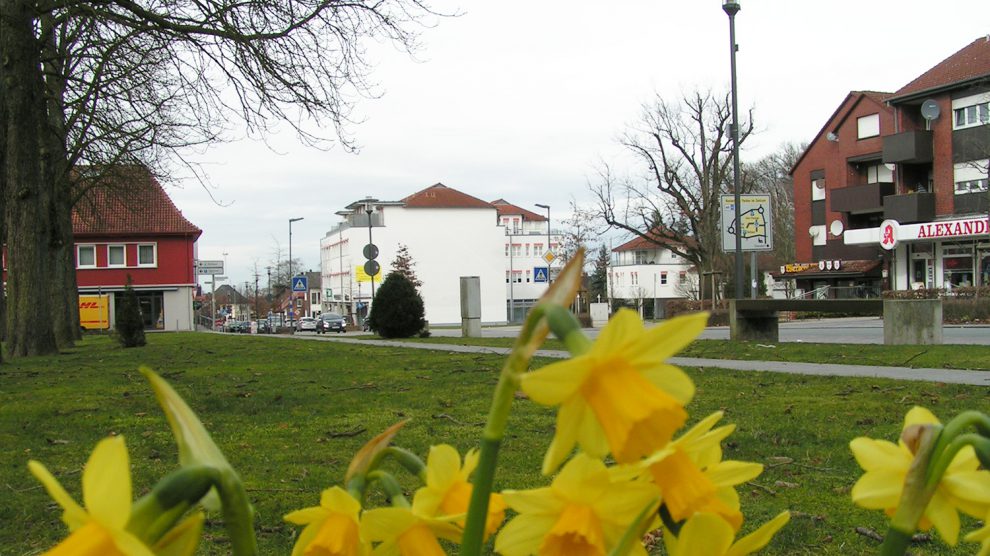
column 300, row 284
column 541, row 274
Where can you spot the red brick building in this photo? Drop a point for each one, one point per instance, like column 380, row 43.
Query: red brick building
column 136, row 231
column 892, row 192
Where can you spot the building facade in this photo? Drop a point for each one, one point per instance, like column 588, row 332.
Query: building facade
column 529, row 269
column 892, row 193
column 447, row 233
column 644, row 274
column 134, row 232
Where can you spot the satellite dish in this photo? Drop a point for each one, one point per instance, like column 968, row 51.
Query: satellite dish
column 930, row 110
column 813, row 231
column 836, row 227
column 832, row 136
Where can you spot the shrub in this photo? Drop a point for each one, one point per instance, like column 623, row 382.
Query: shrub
column 129, row 329
column 718, row 316
column 397, row 311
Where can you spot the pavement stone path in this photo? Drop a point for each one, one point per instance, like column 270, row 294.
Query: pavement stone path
column 951, row 376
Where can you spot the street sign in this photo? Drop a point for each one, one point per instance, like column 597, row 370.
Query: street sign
column 370, row 251
column 549, row 257
column 206, row 268
column 300, row 284
column 371, row 268
column 541, row 274
column 756, row 229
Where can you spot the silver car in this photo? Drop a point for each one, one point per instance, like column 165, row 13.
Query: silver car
column 306, row 324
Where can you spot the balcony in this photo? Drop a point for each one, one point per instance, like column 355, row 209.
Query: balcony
column 860, row 198
column 909, row 208
column 908, row 147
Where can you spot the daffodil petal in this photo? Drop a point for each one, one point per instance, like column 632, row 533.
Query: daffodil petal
column 968, row 490
column 668, row 338
column 873, row 454
column 72, row 513
column 182, row 539
column 965, row 460
column 590, row 435
column 877, row 490
column 129, row 544
column 699, row 429
column 307, row 536
column 442, row 465
column 624, row 325
column 107, row 483
column 582, row 475
column 760, row 538
column 306, row 516
column 383, row 523
column 918, row 415
column 470, row 462
column 569, row 419
column 704, row 534
column 671, row 380
column 555, row 383
column 732, row 473
column 538, row 501
column 944, row 517
column 338, row 500
column 622, row 510
column 522, row 536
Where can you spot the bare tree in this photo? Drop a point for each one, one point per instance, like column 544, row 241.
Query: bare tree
column 684, row 152
column 87, row 82
column 772, row 175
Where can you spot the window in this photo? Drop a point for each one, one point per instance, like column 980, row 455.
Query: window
column 116, row 255
column 971, row 111
column 516, row 250
column 970, row 177
column 528, row 276
column 527, row 249
column 818, row 189
column 314, row 298
column 682, row 277
column 147, row 254
column 506, row 249
column 868, row 126
column 640, row 257
column 85, row 256
column 663, row 278
column 879, row 173
column 634, row 278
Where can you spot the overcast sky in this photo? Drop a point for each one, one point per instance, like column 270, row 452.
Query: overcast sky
column 520, row 100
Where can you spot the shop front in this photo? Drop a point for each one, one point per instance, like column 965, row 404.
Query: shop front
column 945, row 254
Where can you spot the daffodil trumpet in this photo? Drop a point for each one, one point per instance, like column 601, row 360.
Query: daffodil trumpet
column 532, row 335
column 156, row 513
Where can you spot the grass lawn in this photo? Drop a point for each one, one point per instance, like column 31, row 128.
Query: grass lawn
column 289, row 415
column 970, row 357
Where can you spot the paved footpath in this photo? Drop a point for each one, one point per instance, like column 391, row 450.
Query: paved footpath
column 953, row 376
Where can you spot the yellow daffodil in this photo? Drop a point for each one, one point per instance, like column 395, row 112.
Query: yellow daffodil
column 620, row 396
column 963, row 487
column 705, row 534
column 448, row 492
column 583, row 512
column 332, row 528
column 693, row 478
column 981, row 536
column 98, row 530
column 407, row 531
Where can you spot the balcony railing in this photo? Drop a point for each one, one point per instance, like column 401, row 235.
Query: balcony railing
column 912, row 207
column 860, row 198
column 908, row 147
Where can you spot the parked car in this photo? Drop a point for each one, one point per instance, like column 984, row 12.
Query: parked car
column 330, row 322
column 306, row 323
column 264, row 327
column 237, row 326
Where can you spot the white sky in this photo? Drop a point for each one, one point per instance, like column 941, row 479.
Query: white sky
column 520, row 99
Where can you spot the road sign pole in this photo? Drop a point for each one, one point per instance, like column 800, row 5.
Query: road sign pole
column 213, row 302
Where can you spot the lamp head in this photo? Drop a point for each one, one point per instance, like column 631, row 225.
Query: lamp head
column 731, row 7
column 291, row 220
column 543, row 206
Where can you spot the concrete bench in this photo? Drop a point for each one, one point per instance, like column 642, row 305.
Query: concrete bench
column 915, row 321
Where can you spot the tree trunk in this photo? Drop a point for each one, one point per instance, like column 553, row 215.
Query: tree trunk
column 28, row 317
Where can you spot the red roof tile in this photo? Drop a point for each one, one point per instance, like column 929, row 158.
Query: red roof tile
column 640, row 242
column 441, row 196
column 972, row 62
column 504, row 207
column 138, row 205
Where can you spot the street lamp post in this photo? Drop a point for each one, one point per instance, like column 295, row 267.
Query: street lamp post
column 732, row 8
column 368, row 209
column 292, row 301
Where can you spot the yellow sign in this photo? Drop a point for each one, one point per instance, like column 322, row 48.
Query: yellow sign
column 549, row 257
column 797, row 267
column 94, row 312
column 361, row 276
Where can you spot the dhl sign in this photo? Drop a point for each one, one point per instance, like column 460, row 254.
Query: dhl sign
column 94, row 312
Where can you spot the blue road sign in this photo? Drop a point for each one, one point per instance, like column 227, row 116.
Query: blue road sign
column 540, row 274
column 300, row 284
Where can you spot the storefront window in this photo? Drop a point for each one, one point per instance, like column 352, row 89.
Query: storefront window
column 957, row 266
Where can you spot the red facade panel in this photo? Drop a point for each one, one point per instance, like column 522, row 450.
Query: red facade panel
column 174, row 260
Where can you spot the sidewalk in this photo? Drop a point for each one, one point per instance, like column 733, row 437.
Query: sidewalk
column 952, row 376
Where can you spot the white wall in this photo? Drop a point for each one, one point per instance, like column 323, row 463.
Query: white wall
column 178, row 310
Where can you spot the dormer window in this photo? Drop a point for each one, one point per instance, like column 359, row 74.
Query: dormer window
column 868, row 126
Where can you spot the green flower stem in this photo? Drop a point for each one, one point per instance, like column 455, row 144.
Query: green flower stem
column 915, row 496
column 158, row 511
column 238, row 515
column 952, row 430
column 391, row 487
column 634, row 533
column 491, row 439
column 943, row 459
column 408, row 460
column 356, row 488
column 566, row 327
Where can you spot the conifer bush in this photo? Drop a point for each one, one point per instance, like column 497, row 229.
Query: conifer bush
column 130, row 326
column 397, row 311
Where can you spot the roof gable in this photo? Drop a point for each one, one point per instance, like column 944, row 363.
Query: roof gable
column 131, row 202
column 845, row 108
column 441, row 196
column 506, row 208
column 967, row 65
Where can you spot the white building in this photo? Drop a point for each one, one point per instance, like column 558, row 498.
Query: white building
column 643, row 274
column 527, row 273
column 447, row 233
